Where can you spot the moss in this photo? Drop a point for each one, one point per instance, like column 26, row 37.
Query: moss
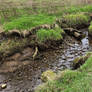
column 49, row 34
column 75, row 20
column 90, row 29
column 49, row 75
column 81, row 60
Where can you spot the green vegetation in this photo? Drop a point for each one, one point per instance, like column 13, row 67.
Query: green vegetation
column 71, row 81
column 28, row 22
column 75, row 20
column 49, row 75
column 74, row 9
column 23, row 18
column 30, row 17
column 49, row 34
column 12, row 45
column 90, row 29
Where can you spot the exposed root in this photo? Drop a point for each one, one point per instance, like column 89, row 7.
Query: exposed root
column 36, row 52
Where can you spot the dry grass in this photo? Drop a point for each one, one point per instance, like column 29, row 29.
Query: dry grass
column 44, row 3
column 14, row 8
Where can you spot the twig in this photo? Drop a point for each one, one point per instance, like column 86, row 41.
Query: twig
column 35, row 53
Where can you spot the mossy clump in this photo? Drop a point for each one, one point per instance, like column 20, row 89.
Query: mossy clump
column 49, row 75
column 49, row 34
column 90, row 29
column 81, row 60
column 75, row 20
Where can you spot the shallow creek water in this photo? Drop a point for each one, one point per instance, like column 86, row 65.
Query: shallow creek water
column 27, row 78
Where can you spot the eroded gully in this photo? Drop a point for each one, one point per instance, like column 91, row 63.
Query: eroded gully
column 27, row 78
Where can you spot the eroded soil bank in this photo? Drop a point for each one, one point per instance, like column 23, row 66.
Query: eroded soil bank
column 27, row 77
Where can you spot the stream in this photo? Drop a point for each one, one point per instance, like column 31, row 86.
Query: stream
column 27, row 78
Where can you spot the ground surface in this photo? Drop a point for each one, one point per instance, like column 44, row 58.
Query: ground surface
column 27, row 77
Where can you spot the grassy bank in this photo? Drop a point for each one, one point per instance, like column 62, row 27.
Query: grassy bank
column 71, row 81
column 10, row 14
column 24, row 20
column 28, row 22
column 90, row 29
column 74, row 20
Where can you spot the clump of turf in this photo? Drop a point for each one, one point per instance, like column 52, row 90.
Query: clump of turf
column 28, row 22
column 49, row 34
column 74, row 20
column 90, row 29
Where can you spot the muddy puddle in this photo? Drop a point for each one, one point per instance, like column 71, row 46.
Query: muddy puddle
column 27, row 78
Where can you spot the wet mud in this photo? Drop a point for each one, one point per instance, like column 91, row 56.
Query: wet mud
column 22, row 74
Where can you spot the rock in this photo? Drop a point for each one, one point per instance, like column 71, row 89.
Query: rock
column 80, row 60
column 3, row 86
column 49, row 75
column 74, row 32
column 77, row 35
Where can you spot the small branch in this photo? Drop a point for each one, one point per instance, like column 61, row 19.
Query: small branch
column 35, row 53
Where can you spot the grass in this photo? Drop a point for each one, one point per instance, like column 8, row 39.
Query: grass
column 19, row 14
column 90, row 29
column 49, row 34
column 74, row 9
column 28, row 22
column 74, row 20
column 71, row 81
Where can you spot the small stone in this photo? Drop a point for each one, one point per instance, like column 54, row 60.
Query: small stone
column 49, row 75
column 3, row 86
column 76, row 34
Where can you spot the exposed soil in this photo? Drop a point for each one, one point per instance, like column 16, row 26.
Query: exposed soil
column 22, row 74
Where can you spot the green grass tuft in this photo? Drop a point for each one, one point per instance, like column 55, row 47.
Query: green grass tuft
column 49, row 34
column 73, row 20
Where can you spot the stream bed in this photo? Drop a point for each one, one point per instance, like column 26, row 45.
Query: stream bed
column 27, row 78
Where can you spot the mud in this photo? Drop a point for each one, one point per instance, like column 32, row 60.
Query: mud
column 22, row 74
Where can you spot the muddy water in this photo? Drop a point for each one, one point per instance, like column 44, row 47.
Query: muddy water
column 26, row 78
